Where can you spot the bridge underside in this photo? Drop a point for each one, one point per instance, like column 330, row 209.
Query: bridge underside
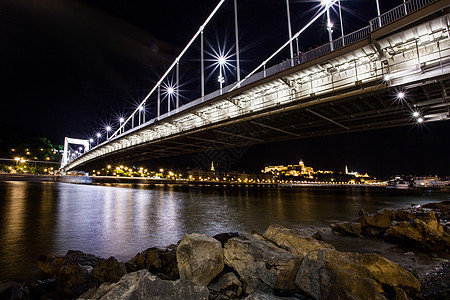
column 359, row 109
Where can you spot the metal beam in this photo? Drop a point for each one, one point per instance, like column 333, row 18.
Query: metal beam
column 325, row 118
column 274, row 128
column 238, row 135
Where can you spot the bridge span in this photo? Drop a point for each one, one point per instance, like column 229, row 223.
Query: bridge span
column 394, row 72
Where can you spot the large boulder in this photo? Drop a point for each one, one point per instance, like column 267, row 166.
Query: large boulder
column 199, row 258
column 52, row 264
column 419, row 233
column 347, row 229
column 109, row 270
column 293, row 241
column 158, row 261
column 143, row 285
column 380, row 219
column 330, row 274
column 227, row 284
column 260, row 263
column 73, row 279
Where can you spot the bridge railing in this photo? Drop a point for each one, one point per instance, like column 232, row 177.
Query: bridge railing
column 398, row 13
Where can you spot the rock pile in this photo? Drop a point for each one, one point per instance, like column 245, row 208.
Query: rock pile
column 418, row 226
column 281, row 263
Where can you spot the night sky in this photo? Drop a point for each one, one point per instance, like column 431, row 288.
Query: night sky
column 69, row 67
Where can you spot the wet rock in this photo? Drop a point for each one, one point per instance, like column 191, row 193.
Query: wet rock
column 381, row 219
column 157, row 261
column 41, row 287
column 227, row 284
column 200, row 258
column 224, row 237
column 362, row 212
column 419, row 233
column 50, row 264
column 84, row 259
column 373, row 231
column 330, row 274
column 143, row 285
column 405, row 215
column 73, row 279
column 293, row 241
column 13, row 291
column 260, row 263
column 109, row 270
column 347, row 229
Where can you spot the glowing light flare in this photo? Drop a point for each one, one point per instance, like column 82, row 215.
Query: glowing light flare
column 121, row 120
column 222, row 60
column 416, row 114
column 325, row 2
column 420, row 120
column 387, row 77
column 108, row 128
column 99, row 135
column 401, row 95
column 91, row 140
column 170, row 90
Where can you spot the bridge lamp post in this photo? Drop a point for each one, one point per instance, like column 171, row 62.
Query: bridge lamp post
column 327, row 4
column 108, row 129
column 99, row 135
column 121, row 120
column 170, row 92
column 222, row 61
column 141, row 109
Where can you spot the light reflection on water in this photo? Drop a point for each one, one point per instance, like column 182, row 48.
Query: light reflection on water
column 51, row 218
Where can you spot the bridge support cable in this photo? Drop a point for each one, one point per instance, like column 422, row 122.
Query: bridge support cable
column 173, row 64
column 291, row 48
column 202, row 65
column 236, row 27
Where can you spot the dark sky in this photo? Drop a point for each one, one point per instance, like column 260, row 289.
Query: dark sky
column 68, row 67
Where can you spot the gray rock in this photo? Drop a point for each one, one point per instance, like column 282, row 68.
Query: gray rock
column 73, row 279
column 293, row 240
column 143, row 285
column 157, row 261
column 260, row 263
column 225, row 281
column 109, row 270
column 263, row 296
column 428, row 236
column 199, row 258
column 347, row 229
column 330, row 274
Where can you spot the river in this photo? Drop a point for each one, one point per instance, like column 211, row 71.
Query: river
column 121, row 220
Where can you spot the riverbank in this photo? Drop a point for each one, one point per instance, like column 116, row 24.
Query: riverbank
column 27, row 177
column 280, row 262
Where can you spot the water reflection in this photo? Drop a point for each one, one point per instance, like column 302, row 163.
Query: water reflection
column 51, row 218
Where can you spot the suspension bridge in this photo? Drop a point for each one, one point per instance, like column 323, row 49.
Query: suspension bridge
column 393, row 72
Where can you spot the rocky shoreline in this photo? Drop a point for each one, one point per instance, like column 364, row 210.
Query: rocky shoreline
column 280, row 263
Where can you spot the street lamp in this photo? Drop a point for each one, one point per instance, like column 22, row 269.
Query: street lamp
column 222, row 61
column 327, row 4
column 121, row 120
column 108, row 129
column 99, row 135
column 170, row 91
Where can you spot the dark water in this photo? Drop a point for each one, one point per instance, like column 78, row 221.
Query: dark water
column 51, row 218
